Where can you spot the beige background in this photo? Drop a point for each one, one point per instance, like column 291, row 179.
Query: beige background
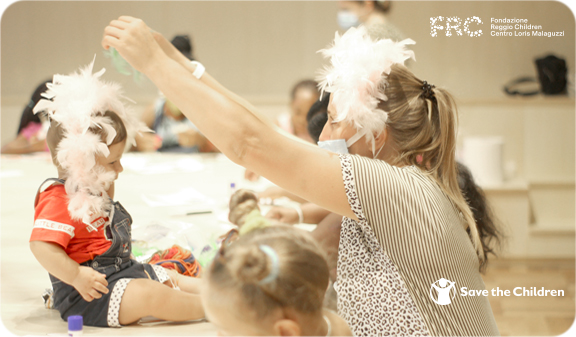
column 260, row 49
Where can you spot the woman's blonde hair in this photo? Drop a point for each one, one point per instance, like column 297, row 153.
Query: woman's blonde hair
column 423, row 125
column 249, row 270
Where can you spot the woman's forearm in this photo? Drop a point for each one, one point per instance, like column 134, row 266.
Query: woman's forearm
column 173, row 53
column 232, row 131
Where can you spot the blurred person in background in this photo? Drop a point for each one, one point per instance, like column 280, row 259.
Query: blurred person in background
column 372, row 14
column 173, row 132
column 317, row 117
column 303, row 95
column 31, row 135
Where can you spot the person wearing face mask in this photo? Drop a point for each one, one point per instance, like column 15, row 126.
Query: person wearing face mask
column 371, row 14
column 405, row 221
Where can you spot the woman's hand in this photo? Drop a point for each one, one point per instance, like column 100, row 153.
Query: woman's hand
column 134, row 40
column 169, row 49
column 90, row 283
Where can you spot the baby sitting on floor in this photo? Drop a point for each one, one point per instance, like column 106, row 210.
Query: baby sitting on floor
column 83, row 238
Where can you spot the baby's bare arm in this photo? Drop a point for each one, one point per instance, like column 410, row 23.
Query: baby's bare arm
column 89, row 283
column 185, row 283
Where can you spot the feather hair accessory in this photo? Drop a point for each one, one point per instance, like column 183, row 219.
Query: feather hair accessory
column 77, row 102
column 356, row 76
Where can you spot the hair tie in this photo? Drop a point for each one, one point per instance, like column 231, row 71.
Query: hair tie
column 275, row 264
column 427, row 88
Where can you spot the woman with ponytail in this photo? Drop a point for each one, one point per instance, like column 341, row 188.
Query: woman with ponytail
column 406, row 228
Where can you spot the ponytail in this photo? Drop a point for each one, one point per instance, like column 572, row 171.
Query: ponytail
column 423, row 120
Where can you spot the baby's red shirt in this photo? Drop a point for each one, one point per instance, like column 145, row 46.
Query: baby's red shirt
column 52, row 223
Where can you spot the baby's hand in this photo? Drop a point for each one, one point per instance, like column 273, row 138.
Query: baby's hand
column 90, row 283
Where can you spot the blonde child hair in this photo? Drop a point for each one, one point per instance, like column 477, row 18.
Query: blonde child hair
column 274, row 271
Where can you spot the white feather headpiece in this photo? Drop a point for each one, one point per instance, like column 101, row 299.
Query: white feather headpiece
column 77, row 102
column 357, row 74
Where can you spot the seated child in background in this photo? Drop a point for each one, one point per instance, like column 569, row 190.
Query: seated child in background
column 302, row 97
column 31, row 135
column 83, row 238
column 173, row 132
column 270, row 282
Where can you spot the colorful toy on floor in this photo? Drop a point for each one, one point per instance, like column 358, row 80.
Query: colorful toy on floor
column 179, row 259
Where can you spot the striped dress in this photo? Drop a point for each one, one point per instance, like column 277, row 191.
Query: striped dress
column 391, row 261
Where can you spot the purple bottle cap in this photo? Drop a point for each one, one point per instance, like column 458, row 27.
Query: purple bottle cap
column 75, row 323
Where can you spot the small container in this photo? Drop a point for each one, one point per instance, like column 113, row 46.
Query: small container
column 75, row 326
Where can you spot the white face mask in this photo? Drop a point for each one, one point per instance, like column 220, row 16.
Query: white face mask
column 336, row 146
column 341, row 145
column 347, row 19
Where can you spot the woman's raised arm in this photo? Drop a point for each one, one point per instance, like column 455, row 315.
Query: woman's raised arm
column 303, row 169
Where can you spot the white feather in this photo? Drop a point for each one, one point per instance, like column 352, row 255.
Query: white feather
column 77, row 102
column 356, row 76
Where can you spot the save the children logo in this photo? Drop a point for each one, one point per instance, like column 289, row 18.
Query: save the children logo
column 442, row 289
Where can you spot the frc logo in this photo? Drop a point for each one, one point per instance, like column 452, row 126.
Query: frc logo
column 454, row 23
column 443, row 289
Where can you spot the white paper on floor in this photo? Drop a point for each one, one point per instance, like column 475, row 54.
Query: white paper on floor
column 145, row 165
column 11, row 173
column 185, row 196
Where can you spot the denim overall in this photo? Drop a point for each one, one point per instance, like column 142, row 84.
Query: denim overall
column 115, row 263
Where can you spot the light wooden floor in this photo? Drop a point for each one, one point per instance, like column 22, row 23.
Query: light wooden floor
column 532, row 316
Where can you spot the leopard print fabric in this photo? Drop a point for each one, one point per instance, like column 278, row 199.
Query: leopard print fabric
column 372, row 296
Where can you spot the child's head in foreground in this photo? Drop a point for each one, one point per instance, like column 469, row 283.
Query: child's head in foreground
column 89, row 129
column 271, row 281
